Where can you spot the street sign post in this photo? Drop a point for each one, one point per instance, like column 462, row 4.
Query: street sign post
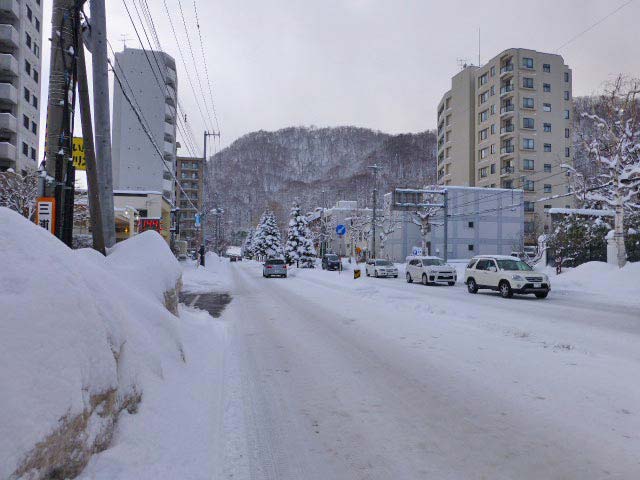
column 197, row 221
column 416, row 252
column 341, row 230
column 46, row 213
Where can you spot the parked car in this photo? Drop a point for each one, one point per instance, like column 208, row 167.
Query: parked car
column 381, row 268
column 430, row 270
column 274, row 267
column 507, row 275
column 330, row 261
column 235, row 258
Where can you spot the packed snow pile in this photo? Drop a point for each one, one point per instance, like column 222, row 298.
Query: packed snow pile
column 80, row 336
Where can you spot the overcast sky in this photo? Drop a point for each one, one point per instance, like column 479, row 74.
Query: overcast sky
column 376, row 64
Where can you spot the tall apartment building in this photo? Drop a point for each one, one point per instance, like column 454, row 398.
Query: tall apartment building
column 136, row 165
column 191, row 175
column 507, row 124
column 20, row 83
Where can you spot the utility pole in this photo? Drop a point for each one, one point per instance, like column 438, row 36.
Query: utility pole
column 102, row 118
column 204, row 168
column 95, row 207
column 375, row 169
column 445, row 210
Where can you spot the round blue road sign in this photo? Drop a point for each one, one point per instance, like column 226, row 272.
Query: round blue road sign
column 341, row 230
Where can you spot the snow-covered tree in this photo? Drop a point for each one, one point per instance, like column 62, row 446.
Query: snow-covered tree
column 299, row 247
column 267, row 240
column 614, row 145
column 247, row 247
column 19, row 192
column 579, row 239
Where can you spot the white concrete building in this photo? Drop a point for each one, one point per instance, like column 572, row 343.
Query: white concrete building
column 20, row 83
column 507, row 124
column 136, row 165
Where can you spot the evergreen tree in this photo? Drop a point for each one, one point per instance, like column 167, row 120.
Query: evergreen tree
column 247, row 247
column 267, row 241
column 299, row 248
column 579, row 239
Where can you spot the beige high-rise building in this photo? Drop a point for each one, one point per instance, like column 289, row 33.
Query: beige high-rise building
column 507, row 124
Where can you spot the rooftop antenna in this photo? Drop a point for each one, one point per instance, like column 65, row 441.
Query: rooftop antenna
column 479, row 64
column 124, row 38
column 462, row 62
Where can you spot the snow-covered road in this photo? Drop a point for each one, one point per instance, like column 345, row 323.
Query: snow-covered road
column 331, row 377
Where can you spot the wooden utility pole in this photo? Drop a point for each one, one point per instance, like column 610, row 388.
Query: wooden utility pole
column 102, row 118
column 93, row 187
column 64, row 24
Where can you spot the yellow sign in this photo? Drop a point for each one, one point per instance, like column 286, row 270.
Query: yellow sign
column 79, row 160
column 356, row 273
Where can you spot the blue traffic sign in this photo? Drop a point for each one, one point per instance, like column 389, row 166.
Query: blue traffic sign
column 341, row 230
column 197, row 222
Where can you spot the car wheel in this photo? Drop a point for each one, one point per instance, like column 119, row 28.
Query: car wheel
column 451, row 284
column 472, row 286
column 505, row 289
column 375, row 273
column 395, row 276
column 542, row 294
column 409, row 279
column 425, row 280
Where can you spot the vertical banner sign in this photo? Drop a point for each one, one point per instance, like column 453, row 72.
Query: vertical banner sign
column 79, row 160
column 46, row 213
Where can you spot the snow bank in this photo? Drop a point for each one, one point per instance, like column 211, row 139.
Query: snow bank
column 601, row 278
column 80, row 335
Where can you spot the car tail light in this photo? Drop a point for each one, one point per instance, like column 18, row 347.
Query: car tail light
column 285, row 267
column 269, row 266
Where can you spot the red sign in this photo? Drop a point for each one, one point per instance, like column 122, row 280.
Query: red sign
column 46, row 213
column 145, row 224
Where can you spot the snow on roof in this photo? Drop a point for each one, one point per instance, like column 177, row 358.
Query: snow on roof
column 136, row 192
column 498, row 257
column 583, row 211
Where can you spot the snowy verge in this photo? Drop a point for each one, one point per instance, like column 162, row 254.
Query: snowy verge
column 81, row 338
column 214, row 277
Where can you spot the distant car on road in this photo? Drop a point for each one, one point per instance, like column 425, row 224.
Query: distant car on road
column 381, row 268
column 274, row 267
column 331, row 261
column 507, row 275
column 235, row 258
column 430, row 270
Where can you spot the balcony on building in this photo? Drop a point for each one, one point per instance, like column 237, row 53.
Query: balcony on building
column 507, row 184
column 9, row 9
column 507, row 128
column 169, row 149
column 507, row 169
column 171, row 77
column 170, row 95
column 169, row 114
column 506, row 69
column 8, row 94
column 506, row 89
column 8, row 123
column 507, row 150
column 7, row 151
column 9, row 36
column 507, row 109
column 8, row 65
column 169, row 132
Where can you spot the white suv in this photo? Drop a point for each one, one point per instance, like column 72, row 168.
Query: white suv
column 508, row 275
column 430, row 270
column 381, row 268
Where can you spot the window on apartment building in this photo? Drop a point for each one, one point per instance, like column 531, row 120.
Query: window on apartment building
column 27, row 39
column 493, row 128
column 37, row 25
column 25, row 121
column 492, row 90
column 447, row 103
column 448, row 120
column 529, row 186
column 34, row 101
column 527, row 62
column 470, row 224
column 547, row 147
column 546, row 87
column 567, row 95
column 547, row 127
column 529, row 206
column 484, row 133
column 527, row 102
column 527, row 82
column 546, row 68
column 493, row 168
column 493, row 148
column 36, row 76
column 482, row 80
column 483, row 153
column 547, row 206
column 33, row 153
column 25, row 149
column 547, row 188
column 470, row 247
column 484, row 97
column 36, row 50
column 493, row 109
column 567, row 152
column 34, row 127
column 567, row 133
column 528, row 143
column 566, row 115
column 528, row 122
column 507, row 184
column 493, row 71
column 484, row 116
column 27, row 94
column 546, row 107
column 527, row 164
column 529, row 227
column 29, row 13
column 566, row 76
column 27, row 67
column 547, row 168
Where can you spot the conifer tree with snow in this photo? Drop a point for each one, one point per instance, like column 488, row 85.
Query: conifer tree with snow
column 614, row 146
column 299, row 248
column 247, row 246
column 267, row 240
